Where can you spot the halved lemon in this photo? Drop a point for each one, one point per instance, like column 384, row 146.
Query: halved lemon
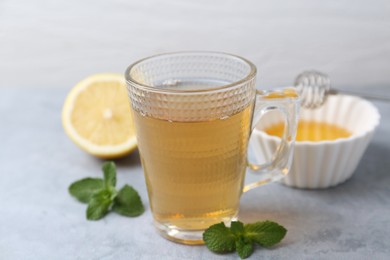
column 97, row 117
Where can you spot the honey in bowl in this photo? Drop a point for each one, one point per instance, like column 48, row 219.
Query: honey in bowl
column 312, row 131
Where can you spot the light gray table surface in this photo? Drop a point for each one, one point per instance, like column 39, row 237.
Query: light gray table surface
column 40, row 220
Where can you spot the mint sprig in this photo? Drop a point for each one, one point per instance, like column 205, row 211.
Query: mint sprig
column 102, row 196
column 221, row 239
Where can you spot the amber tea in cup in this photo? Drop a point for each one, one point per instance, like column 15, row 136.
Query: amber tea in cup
column 193, row 116
column 174, row 153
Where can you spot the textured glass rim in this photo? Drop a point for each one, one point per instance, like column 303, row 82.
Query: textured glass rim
column 250, row 76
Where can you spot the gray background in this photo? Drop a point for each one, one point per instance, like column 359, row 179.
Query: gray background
column 48, row 46
column 57, row 43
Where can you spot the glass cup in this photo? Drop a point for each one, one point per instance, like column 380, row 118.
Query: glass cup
column 194, row 113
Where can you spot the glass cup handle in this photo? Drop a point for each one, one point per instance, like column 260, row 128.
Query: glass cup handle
column 287, row 102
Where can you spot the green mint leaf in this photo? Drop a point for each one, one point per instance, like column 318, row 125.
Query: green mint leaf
column 237, row 228
column 128, row 202
column 85, row 188
column 109, row 171
column 244, row 247
column 220, row 239
column 265, row 233
column 99, row 204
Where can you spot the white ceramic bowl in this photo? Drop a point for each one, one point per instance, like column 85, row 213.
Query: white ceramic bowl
column 323, row 164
